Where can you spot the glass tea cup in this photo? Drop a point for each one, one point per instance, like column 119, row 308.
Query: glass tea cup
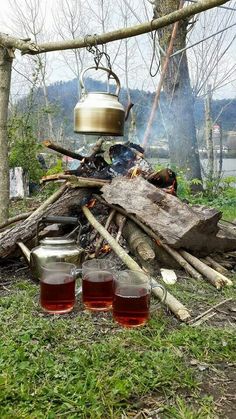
column 97, row 284
column 57, row 287
column 131, row 301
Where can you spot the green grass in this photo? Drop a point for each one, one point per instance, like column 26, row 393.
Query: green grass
column 85, row 366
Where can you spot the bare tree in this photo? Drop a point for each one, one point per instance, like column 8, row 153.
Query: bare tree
column 69, row 21
column 28, row 19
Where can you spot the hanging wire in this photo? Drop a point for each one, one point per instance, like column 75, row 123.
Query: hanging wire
column 154, row 57
column 97, row 53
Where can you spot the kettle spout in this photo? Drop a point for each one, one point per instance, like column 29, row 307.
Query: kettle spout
column 128, row 109
column 25, row 251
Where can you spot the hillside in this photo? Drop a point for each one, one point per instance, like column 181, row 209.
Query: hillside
column 63, row 98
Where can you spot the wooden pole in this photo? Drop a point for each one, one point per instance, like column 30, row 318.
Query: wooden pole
column 160, row 83
column 28, row 47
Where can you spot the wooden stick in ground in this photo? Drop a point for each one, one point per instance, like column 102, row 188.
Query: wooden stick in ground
column 61, row 150
column 172, row 252
column 15, row 219
column 215, row 278
column 107, row 224
column 193, row 321
column 172, row 303
column 216, row 265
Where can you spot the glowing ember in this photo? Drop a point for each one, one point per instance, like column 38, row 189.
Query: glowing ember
column 91, row 203
column 106, row 248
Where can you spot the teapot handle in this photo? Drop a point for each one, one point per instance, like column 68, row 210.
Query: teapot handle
column 115, row 77
column 53, row 220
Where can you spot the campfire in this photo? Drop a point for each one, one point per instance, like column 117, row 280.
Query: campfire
column 128, row 208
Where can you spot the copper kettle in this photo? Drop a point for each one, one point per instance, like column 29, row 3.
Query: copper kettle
column 99, row 113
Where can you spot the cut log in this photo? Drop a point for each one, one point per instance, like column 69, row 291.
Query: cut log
column 141, row 246
column 176, row 223
column 57, row 204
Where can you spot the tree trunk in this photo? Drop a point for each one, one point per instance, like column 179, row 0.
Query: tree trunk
column 5, row 80
column 179, row 117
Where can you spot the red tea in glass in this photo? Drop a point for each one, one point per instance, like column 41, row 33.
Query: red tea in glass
column 58, row 294
column 131, row 306
column 97, row 290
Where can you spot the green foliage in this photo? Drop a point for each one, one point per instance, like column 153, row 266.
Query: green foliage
column 23, row 146
column 57, row 168
column 220, row 194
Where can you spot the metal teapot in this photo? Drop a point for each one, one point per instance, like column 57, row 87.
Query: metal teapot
column 52, row 249
column 99, row 113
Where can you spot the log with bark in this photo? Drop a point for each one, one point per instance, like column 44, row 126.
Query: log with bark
column 176, row 223
column 140, row 245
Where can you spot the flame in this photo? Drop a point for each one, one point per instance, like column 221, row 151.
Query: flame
column 91, row 203
column 106, row 248
column 135, row 172
column 158, row 242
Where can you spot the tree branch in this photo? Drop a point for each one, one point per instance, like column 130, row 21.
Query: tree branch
column 31, row 48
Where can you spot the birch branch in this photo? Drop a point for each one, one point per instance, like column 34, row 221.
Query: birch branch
column 30, row 48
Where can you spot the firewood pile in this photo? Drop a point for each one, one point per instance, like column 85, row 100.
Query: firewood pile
column 127, row 208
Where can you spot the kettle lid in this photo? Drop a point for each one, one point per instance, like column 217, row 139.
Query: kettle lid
column 57, row 240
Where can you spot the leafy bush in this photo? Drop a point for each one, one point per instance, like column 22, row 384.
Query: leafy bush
column 24, row 147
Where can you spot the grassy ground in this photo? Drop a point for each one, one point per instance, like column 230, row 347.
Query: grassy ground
column 82, row 365
column 85, row 366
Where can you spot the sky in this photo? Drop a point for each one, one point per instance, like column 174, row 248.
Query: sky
column 137, row 51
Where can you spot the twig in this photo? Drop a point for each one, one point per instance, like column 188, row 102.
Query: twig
column 61, row 150
column 121, row 223
column 97, row 148
column 209, row 311
column 76, row 181
column 18, row 217
column 172, row 303
column 107, row 224
column 50, row 200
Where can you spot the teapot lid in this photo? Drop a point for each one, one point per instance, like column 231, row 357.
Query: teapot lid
column 57, row 240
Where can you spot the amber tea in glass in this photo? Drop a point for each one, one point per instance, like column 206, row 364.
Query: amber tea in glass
column 97, row 284
column 131, row 301
column 57, row 287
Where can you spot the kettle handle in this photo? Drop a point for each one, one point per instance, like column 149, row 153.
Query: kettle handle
column 52, row 220
column 99, row 68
